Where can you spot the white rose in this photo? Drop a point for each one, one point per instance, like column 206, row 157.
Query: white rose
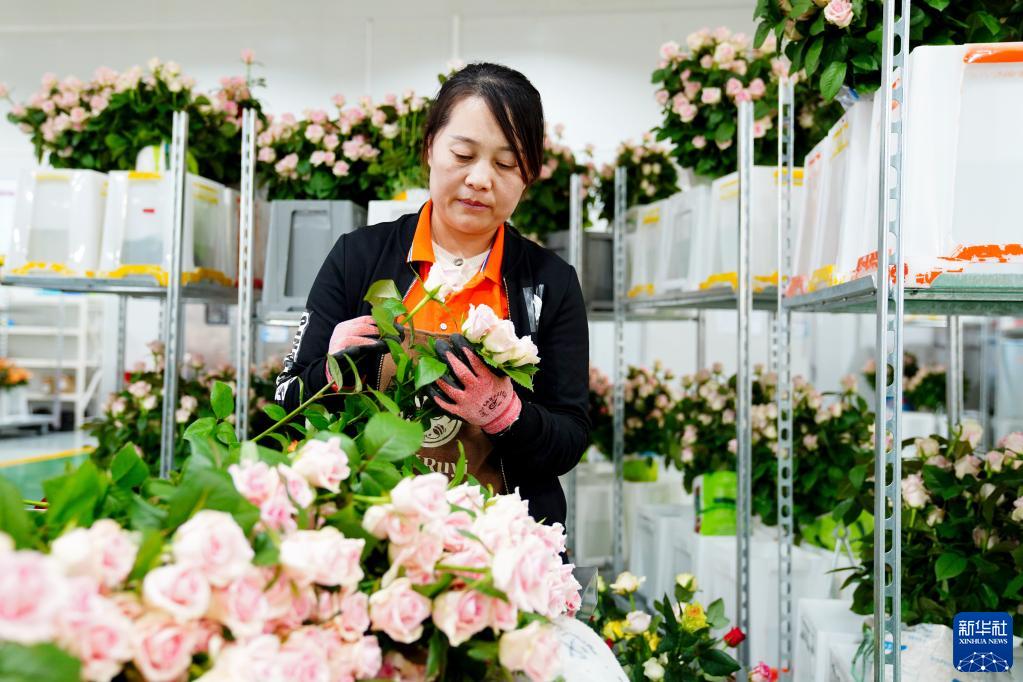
column 914, row 493
column 627, row 583
column 653, row 670
column 323, row 463
column 972, row 432
column 927, row 447
column 105, row 552
column 501, row 341
column 212, row 542
column 441, row 283
column 324, row 557
column 180, row 591
column 637, row 622
column 526, row 352
column 480, row 321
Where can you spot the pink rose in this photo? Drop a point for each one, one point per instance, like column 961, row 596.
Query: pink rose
column 699, row 142
column 296, row 487
column 757, row 87
column 399, row 611
column 105, row 552
column 480, row 320
column 504, row 617
column 711, row 95
column 460, row 614
column 163, row 648
column 1013, row 441
column 419, row 556
column 839, row 13
column 533, row 650
column 670, row 50
column 295, row 606
column 523, row 573
column 351, row 621
column 93, row 629
column 248, row 56
column 302, row 662
column 243, row 605
column 362, row 659
column 323, row 464
column 565, row 597
column 661, row 96
column 382, row 521
column 422, row 497
column 325, row 557
column 378, row 118
column 254, row 659
column 314, row 132
column 995, row 459
column 266, row 155
column 341, row 169
column 180, row 591
column 32, row 593
column 707, row 61
column 733, row 86
column 215, row 544
column 724, row 53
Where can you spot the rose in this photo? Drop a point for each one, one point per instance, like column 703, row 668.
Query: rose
column 839, row 13
column 399, row 611
column 480, row 320
column 180, row 591
column 914, row 492
column 382, row 521
column 303, row 660
column 935, row 516
column 363, row 658
column 324, row 556
column 533, row 650
column 970, row 464
column 653, row 670
column 1014, row 442
column 163, row 648
column 670, row 50
column 734, row 637
column 687, row 581
column 256, row 481
column 460, row 614
column 95, row 631
column 926, row 447
column 215, row 544
column 32, row 593
column 323, row 463
column 699, row 142
column 441, row 283
column 995, row 459
column 352, row 621
column 501, row 340
column 626, row 583
column 711, row 95
column 253, row 659
column 1017, row 510
column 105, row 552
column 694, row 618
column 637, row 622
column 523, row 572
column 422, row 497
column 419, row 556
column 971, row 431
column 243, row 605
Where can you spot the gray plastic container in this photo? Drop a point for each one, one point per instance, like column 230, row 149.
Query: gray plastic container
column 598, row 262
column 302, row 233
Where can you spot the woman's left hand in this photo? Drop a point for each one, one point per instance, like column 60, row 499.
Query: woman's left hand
column 483, row 399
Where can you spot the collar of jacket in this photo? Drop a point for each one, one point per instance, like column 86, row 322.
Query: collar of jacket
column 513, row 249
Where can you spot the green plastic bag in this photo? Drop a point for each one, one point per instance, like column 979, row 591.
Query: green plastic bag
column 639, row 469
column 716, row 503
column 823, row 531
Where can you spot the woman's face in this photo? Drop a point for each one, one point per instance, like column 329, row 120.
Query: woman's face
column 475, row 183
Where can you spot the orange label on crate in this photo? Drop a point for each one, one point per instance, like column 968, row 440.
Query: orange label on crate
column 994, row 53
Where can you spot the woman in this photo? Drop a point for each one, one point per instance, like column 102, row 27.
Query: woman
column 483, row 145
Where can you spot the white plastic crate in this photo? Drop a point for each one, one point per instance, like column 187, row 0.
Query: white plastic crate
column 684, row 241
column 593, row 512
column 821, row 622
column 260, row 230
column 815, row 183
column 137, row 233
column 644, row 225
column 13, row 402
column 58, row 222
column 962, row 172
column 651, row 555
column 724, row 219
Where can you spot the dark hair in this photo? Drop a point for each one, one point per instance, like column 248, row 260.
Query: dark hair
column 513, row 101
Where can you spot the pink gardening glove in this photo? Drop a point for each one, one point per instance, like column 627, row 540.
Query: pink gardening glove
column 485, row 400
column 356, row 338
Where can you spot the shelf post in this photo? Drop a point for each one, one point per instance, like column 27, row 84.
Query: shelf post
column 618, row 410
column 954, row 375
column 245, row 283
column 890, row 314
column 744, row 385
column 575, row 259
column 122, row 329
column 782, row 361
column 172, row 309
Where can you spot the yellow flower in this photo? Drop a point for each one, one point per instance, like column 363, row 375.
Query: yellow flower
column 614, row 630
column 652, row 640
column 694, row 618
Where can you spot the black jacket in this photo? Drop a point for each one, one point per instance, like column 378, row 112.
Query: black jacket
column 544, row 300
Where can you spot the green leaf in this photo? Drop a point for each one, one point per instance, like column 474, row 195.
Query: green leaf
column 813, row 55
column 148, row 555
column 949, row 565
column 391, row 438
column 716, row 614
column 335, row 371
column 938, row 4
column 274, row 411
column 990, row 22
column 267, row 553
column 201, row 428
column 717, row 663
column 222, row 400
column 380, row 291
column 428, row 370
column 832, row 79
column 763, row 30
column 20, row 663
column 73, row 498
column 520, row 375
column 226, row 434
column 127, row 469
column 857, row 475
column 460, row 467
column 818, row 25
column 210, row 489
column 385, row 321
column 725, row 131
column 14, row 520
column 799, row 8
column 437, row 658
column 1012, row 590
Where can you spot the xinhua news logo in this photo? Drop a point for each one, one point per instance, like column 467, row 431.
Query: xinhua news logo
column 982, row 642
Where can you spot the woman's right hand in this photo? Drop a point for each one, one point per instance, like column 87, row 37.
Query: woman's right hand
column 357, row 339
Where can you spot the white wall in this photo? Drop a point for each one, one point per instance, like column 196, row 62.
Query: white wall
column 590, row 59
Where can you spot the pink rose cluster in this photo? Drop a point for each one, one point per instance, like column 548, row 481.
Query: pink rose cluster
column 433, row 531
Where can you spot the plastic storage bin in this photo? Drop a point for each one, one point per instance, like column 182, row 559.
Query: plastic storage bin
column 684, row 241
column 58, row 223
column 643, row 227
column 260, row 230
column 962, row 172
column 301, row 234
column 822, row 622
column 656, row 525
column 598, row 261
column 724, row 219
column 815, row 181
column 138, row 229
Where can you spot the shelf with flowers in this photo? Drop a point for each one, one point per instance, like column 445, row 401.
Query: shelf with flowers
column 838, row 42
column 923, row 386
column 700, row 86
column 331, row 560
column 104, row 123
column 651, row 174
column 962, row 527
column 679, row 640
column 133, row 415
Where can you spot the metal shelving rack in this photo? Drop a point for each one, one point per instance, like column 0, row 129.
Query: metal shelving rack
column 172, row 296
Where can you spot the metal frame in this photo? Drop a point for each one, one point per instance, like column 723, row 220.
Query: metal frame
column 781, row 353
column 618, row 388
column 245, row 283
column 575, row 259
column 172, row 309
column 954, row 376
column 744, row 385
